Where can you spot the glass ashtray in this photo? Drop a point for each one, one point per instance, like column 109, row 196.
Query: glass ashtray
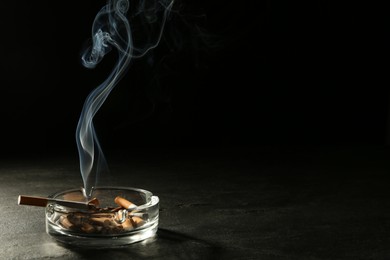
column 118, row 216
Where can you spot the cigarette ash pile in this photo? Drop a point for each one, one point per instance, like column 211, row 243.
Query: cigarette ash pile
column 104, row 220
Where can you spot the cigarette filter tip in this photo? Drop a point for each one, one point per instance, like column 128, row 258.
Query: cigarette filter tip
column 125, row 203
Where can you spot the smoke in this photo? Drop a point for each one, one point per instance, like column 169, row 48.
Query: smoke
column 133, row 29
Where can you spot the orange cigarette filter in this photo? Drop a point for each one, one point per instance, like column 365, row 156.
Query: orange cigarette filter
column 127, row 224
column 124, row 203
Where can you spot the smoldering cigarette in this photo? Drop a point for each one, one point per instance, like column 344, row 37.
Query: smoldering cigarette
column 124, row 203
column 42, row 202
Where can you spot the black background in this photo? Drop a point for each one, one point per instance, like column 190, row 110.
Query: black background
column 237, row 79
column 226, row 73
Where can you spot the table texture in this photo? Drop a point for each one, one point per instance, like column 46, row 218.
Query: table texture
column 234, row 203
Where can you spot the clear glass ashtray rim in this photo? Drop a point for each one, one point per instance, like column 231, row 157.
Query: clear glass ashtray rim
column 154, row 200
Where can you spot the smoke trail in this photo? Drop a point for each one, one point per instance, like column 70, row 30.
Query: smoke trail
column 111, row 28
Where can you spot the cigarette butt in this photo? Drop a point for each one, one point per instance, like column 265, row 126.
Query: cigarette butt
column 77, row 219
column 32, row 201
column 108, row 223
column 124, row 203
column 100, row 221
column 65, row 222
column 101, row 215
column 127, row 224
column 137, row 221
column 116, row 209
column 87, row 228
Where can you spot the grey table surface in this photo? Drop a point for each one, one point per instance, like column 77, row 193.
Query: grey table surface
column 272, row 203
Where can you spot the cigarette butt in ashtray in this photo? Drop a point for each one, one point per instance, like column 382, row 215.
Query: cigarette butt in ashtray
column 100, row 220
column 124, row 203
column 87, row 228
column 137, row 221
column 128, row 224
column 65, row 222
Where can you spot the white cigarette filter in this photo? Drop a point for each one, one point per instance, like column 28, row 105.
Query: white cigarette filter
column 124, row 203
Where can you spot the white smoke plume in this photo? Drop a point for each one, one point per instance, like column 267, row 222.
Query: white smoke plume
column 132, row 29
